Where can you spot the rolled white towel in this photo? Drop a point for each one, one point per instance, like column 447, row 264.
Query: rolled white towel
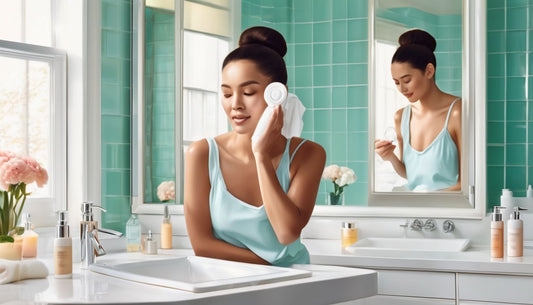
column 12, row 271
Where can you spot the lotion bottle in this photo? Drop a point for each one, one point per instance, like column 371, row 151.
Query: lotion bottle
column 496, row 233
column 62, row 247
column 166, row 231
column 515, row 233
column 29, row 239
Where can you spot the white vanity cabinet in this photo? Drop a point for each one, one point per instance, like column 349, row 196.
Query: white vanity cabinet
column 401, row 287
column 498, row 289
column 406, row 287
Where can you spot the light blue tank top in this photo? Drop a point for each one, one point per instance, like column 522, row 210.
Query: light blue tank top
column 434, row 168
column 245, row 225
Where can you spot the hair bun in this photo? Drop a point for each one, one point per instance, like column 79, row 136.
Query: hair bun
column 267, row 37
column 418, row 37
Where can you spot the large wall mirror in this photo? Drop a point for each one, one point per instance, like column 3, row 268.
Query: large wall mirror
column 177, row 59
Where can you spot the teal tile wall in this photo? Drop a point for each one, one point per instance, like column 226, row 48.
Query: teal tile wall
column 509, row 104
column 115, row 112
column 159, row 155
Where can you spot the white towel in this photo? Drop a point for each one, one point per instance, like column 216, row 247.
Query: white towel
column 12, row 271
column 293, row 113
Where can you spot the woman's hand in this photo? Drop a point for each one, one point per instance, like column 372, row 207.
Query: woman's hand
column 385, row 149
column 266, row 141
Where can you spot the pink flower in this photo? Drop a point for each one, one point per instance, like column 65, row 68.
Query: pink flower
column 15, row 169
column 166, row 191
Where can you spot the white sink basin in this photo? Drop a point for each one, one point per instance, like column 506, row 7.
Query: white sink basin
column 412, row 244
column 198, row 274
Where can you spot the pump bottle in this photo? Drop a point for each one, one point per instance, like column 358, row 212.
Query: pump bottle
column 496, row 233
column 166, row 231
column 62, row 247
column 515, row 233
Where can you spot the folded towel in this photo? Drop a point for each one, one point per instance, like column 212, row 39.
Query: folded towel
column 12, row 271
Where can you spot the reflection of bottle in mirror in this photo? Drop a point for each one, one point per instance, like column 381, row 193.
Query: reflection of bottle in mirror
column 275, row 94
column 390, row 135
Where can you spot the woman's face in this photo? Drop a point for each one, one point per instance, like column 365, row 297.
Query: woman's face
column 243, row 86
column 412, row 83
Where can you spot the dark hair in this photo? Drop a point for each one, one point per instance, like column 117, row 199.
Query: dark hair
column 416, row 48
column 266, row 48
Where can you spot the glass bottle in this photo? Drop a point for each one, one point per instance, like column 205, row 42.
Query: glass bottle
column 133, row 234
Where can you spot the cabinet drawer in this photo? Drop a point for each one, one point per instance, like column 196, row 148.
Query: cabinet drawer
column 416, row 284
column 495, row 288
column 396, row 300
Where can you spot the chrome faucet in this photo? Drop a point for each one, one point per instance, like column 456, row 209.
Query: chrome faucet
column 90, row 245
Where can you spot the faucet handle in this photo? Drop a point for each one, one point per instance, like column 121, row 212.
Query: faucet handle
column 430, row 225
column 416, row 225
column 448, row 226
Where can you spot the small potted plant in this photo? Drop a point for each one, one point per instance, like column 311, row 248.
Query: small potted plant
column 340, row 176
column 16, row 172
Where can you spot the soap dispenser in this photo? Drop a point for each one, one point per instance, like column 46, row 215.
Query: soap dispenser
column 496, row 233
column 515, row 233
column 166, row 231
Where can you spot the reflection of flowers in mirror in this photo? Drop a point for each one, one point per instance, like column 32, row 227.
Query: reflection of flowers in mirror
column 15, row 173
column 166, row 191
column 341, row 177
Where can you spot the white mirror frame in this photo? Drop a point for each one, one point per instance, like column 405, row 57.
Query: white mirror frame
column 470, row 203
column 474, row 40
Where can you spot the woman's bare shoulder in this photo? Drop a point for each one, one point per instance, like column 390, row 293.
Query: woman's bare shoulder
column 198, row 149
column 308, row 149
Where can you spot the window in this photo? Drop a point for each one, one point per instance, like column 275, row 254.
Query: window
column 33, row 100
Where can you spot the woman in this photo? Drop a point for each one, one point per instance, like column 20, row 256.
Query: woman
column 429, row 128
column 247, row 203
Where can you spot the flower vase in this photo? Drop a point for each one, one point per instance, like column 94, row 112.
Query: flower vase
column 11, row 251
column 335, row 199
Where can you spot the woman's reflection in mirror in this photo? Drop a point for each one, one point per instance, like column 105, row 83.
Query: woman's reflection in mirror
column 429, row 128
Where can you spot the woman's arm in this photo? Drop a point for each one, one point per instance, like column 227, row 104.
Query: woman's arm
column 197, row 214
column 455, row 130
column 288, row 212
column 385, row 149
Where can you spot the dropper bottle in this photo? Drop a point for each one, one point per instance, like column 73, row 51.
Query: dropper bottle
column 29, row 239
column 496, row 233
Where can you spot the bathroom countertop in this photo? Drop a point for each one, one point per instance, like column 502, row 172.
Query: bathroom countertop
column 474, row 260
column 328, row 284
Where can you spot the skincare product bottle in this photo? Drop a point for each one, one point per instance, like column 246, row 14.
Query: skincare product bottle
column 515, row 233
column 496, row 233
column 133, row 234
column 29, row 239
column 166, row 231
column 348, row 234
column 62, row 247
column 150, row 245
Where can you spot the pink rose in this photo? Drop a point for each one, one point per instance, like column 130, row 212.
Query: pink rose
column 14, row 171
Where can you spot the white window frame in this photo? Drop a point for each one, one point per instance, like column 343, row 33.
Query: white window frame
column 42, row 208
